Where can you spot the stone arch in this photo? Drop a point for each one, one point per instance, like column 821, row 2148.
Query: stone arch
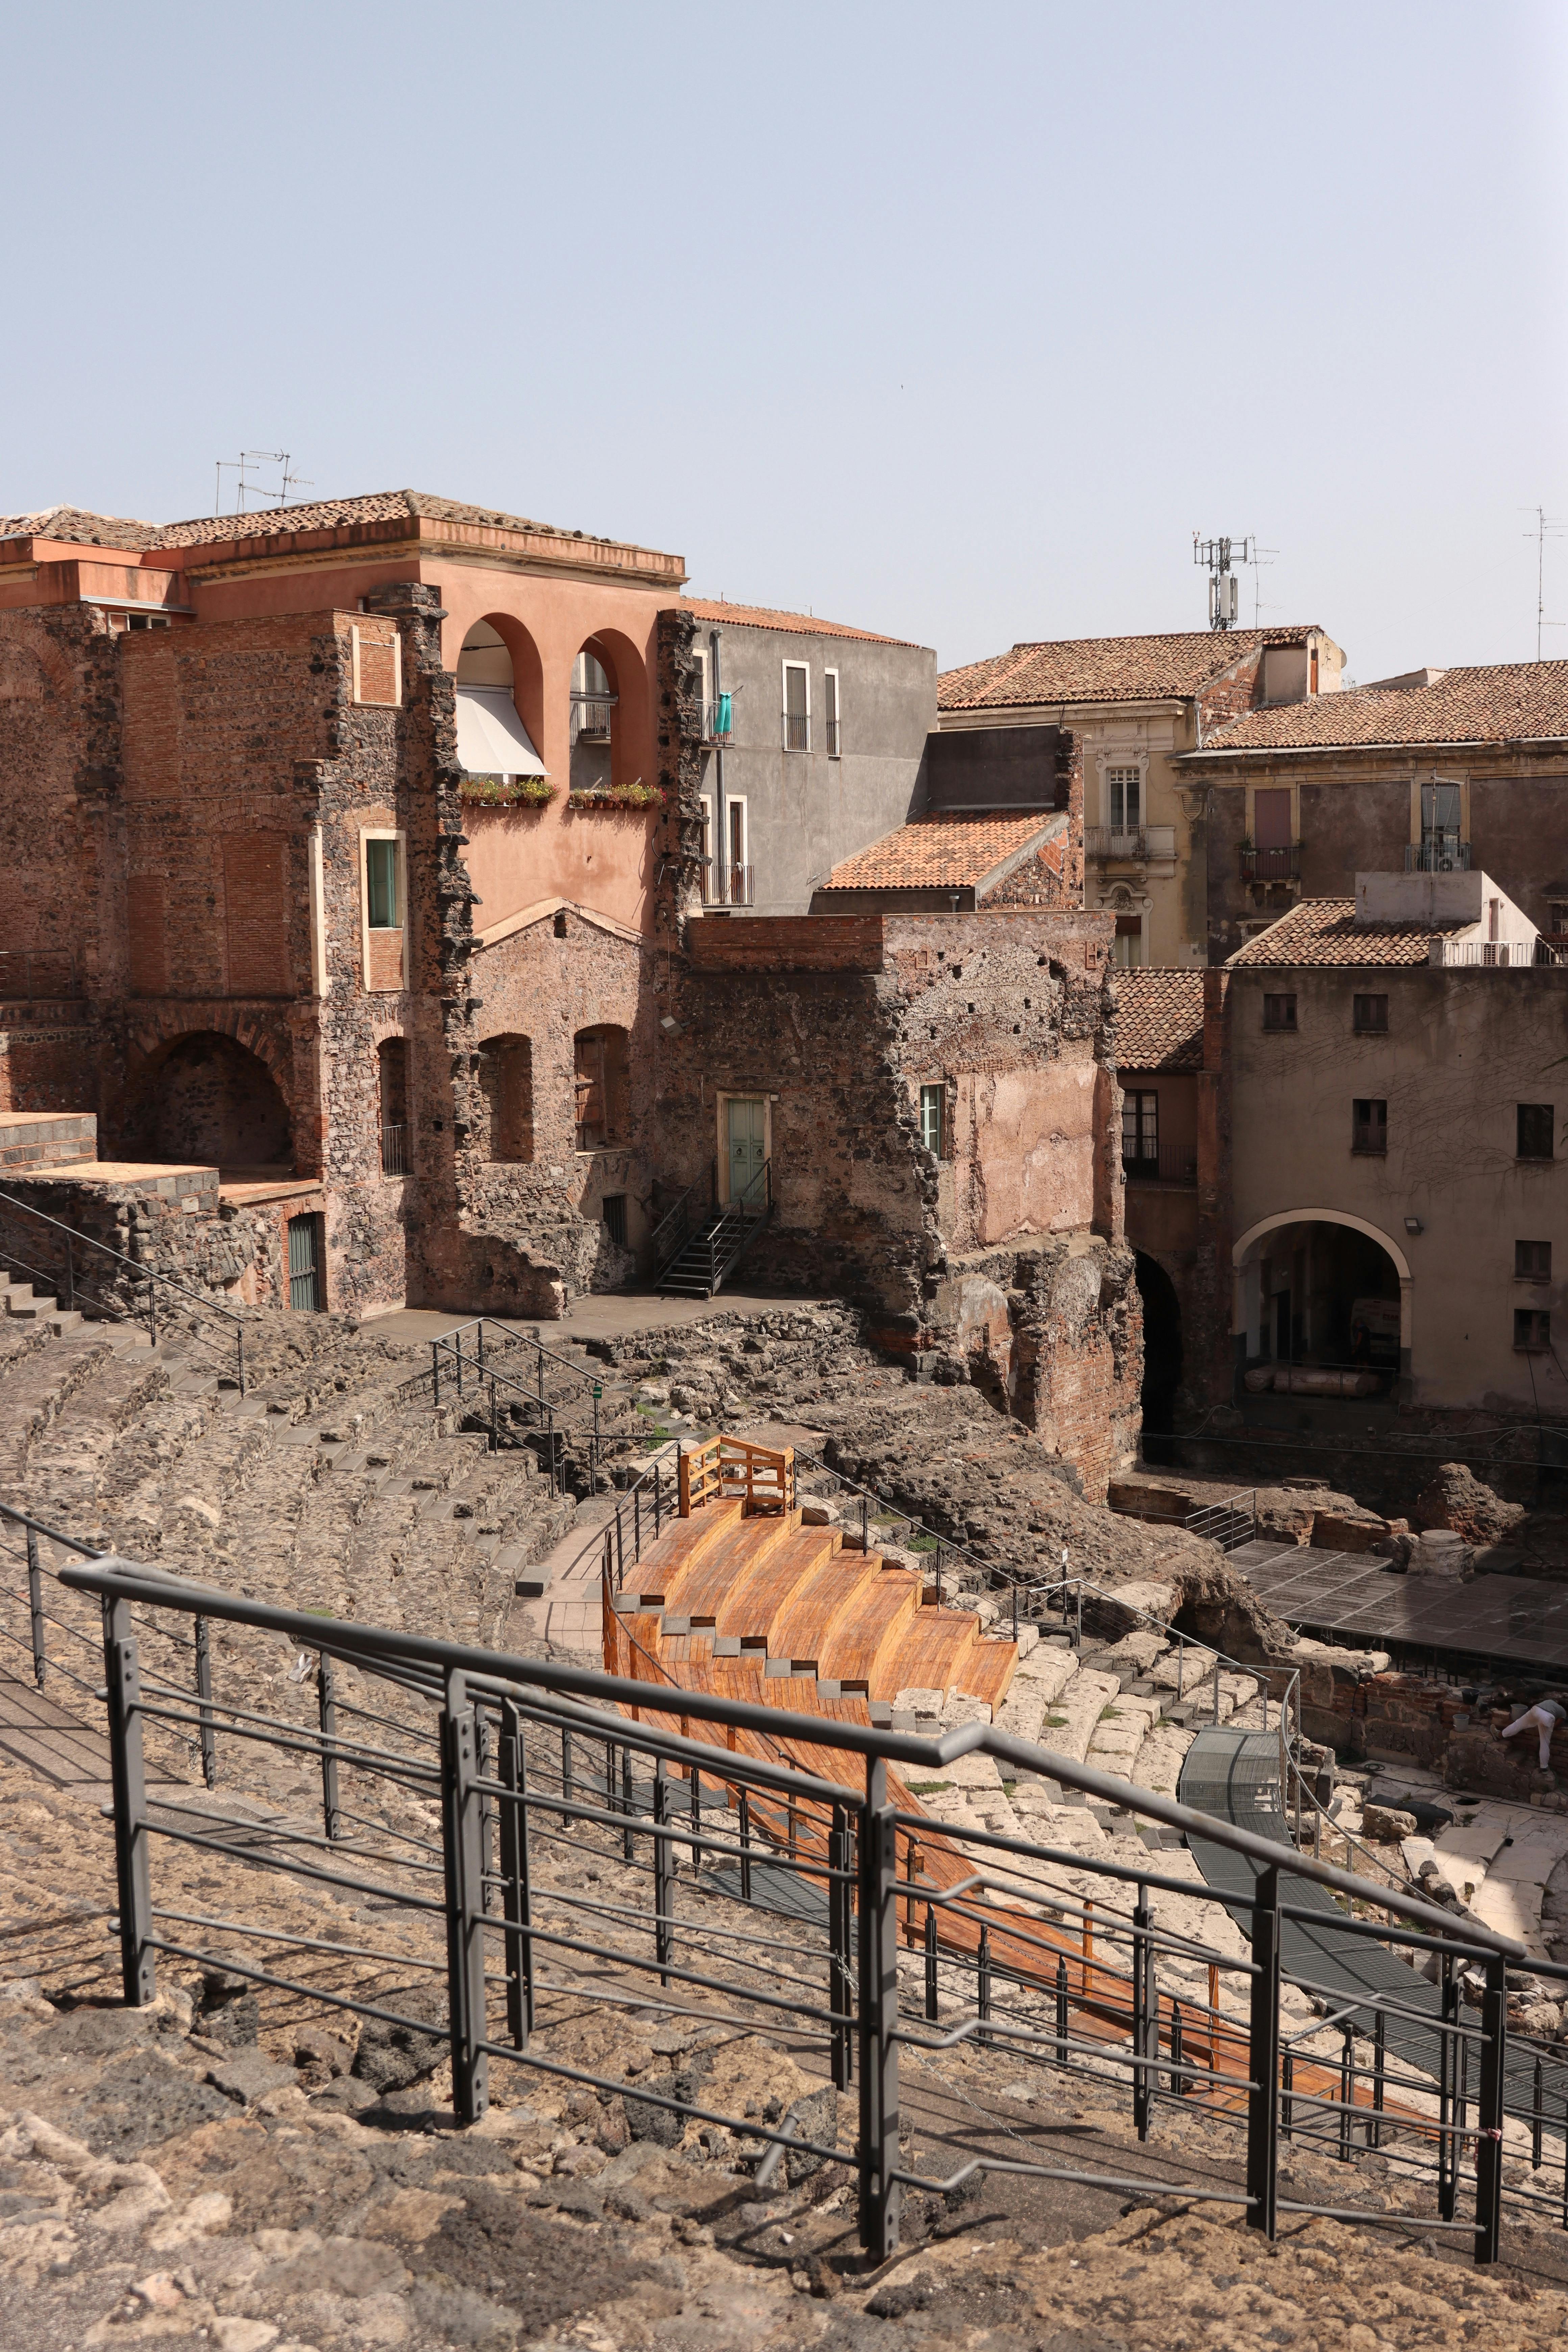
column 498, row 650
column 601, row 1074
column 205, row 1096
column 1245, row 1258
column 629, row 745
column 505, row 1130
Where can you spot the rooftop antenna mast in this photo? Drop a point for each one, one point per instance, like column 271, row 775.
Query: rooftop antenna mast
column 244, row 465
column 1215, row 555
column 1546, row 527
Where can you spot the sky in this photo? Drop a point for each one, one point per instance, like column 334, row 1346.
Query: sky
column 955, row 323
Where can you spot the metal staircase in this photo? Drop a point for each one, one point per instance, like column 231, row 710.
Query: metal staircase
column 697, row 1247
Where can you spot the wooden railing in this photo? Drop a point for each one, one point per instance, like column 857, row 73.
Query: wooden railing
column 760, row 1477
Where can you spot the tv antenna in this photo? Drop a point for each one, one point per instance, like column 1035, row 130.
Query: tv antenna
column 244, row 464
column 1546, row 527
column 1217, row 555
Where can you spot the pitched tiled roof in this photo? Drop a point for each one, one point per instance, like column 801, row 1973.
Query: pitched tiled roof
column 1502, row 702
column 1325, row 931
column 1159, row 1024
column 72, row 523
column 799, row 625
column 1107, row 669
column 941, row 851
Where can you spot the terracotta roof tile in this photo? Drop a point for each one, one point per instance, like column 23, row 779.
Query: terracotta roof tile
column 1160, row 1023
column 1106, row 669
column 1325, row 931
column 941, row 851
column 799, row 625
column 74, row 524
column 1503, row 701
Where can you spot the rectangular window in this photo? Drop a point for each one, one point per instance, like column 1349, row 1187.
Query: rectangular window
column 796, row 707
column 1140, row 1131
column 381, row 892
column 613, row 1210
column 1533, row 1261
column 1558, row 909
column 1440, row 817
column 831, row 711
column 1371, row 1016
column 378, row 667
column 1129, row 948
column 1369, row 1125
column 1123, row 791
column 932, row 1101
column 1531, row 1329
column 1271, row 819
column 710, row 874
column 1537, row 1123
column 1279, row 1011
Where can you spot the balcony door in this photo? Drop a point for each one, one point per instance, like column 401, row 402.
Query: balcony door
column 746, row 1123
column 1271, row 819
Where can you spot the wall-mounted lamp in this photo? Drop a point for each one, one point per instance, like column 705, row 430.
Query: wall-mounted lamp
column 1414, row 1225
column 669, row 1022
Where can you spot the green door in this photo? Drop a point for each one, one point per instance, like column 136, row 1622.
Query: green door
column 747, row 1120
column 304, row 1263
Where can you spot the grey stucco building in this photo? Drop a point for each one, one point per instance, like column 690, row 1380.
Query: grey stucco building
column 813, row 745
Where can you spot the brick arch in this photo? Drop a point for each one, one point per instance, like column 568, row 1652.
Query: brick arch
column 23, row 644
column 209, row 1087
column 154, row 1031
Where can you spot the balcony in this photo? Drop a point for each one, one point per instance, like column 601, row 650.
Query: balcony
column 726, row 884
column 591, row 718
column 1129, row 844
column 797, row 730
column 718, row 720
column 1174, row 1164
column 395, row 1154
column 1272, row 865
column 1442, row 852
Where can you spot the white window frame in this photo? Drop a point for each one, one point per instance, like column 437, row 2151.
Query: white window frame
column 832, row 720
column 804, row 669
column 936, row 1093
column 700, row 659
column 396, row 702
column 1123, row 769
column 709, row 867
column 395, row 833
column 733, row 800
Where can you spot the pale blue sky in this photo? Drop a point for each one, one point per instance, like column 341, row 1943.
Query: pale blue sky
column 951, row 323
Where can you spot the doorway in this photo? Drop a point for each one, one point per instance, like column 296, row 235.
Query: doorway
column 746, row 1125
column 305, row 1263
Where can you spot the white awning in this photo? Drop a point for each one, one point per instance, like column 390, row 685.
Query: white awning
column 492, row 739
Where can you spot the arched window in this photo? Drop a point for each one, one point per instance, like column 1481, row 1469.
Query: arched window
column 604, row 1088
column 392, row 1097
column 495, row 740
column 210, row 1100
column 506, row 1092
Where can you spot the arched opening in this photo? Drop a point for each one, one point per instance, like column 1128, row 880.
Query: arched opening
column 596, row 701
column 392, row 1103
column 499, row 703
column 1161, row 1351
column 210, row 1100
column 1323, row 1306
column 602, row 1059
column 506, row 1098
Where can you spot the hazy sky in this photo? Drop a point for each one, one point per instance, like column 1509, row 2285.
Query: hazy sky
column 955, row 322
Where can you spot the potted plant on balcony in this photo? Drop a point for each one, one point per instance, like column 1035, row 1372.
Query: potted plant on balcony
column 635, row 795
column 506, row 791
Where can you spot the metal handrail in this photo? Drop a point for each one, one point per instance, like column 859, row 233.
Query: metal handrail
column 483, row 1369
column 663, row 1252
column 141, row 1273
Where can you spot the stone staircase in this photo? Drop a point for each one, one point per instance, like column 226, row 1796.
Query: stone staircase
column 20, row 1299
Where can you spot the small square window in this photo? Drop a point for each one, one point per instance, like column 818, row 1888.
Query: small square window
column 1279, row 1011
column 1369, row 1125
column 931, row 1103
column 1531, row 1329
column 1372, row 1016
column 1537, row 1122
column 1533, row 1261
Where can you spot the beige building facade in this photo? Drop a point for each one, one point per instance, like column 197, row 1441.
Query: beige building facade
column 1135, row 707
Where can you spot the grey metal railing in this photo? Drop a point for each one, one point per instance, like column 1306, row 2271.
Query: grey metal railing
column 395, row 1151
column 1169, row 1163
column 486, row 1378
column 678, row 1224
column 1272, row 865
column 143, row 1286
column 1442, row 852
column 732, row 1877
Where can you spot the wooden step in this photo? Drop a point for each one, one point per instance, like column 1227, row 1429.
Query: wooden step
column 764, row 1590
column 868, row 1631
column 987, row 1671
column 744, row 1545
column 665, row 1565
column 805, row 1626
column 934, row 1653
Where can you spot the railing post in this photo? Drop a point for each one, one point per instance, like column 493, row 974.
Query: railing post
column 70, row 1274
column 495, row 1419
column 1489, row 2118
column 516, row 1901
column 123, row 1674
column 1142, row 2004
column 878, row 2146
column 204, row 1702
column 152, row 1307
column 982, row 1987
column 1347, row 2088
column 1447, row 2074
column 628, row 1846
column 566, row 1772
column 1263, row 2060
column 36, row 1607
column 1379, row 2062
column 1062, row 2011
column 436, row 1371
column 663, row 1875
column 840, row 1982
column 657, row 1504
column 327, row 1716
column 457, row 1351
column 745, row 1813
column 240, row 1355
column 463, row 1855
